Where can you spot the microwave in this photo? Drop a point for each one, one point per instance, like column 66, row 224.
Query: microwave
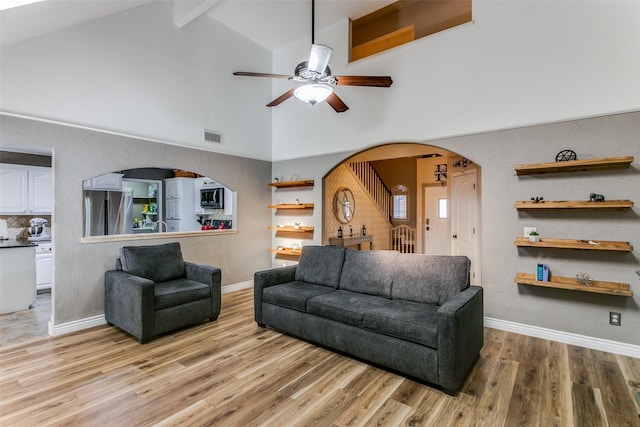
column 212, row 198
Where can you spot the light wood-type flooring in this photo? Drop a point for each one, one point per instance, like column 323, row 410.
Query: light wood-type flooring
column 233, row 373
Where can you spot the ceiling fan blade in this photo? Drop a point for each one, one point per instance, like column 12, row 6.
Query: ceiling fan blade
column 288, row 94
column 377, row 81
column 319, row 58
column 273, row 76
column 337, row 103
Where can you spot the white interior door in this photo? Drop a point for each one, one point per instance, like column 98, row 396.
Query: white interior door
column 436, row 241
column 464, row 219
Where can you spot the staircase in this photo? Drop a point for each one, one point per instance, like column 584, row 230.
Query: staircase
column 374, row 185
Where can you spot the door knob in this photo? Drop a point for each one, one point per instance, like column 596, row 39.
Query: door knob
column 455, row 236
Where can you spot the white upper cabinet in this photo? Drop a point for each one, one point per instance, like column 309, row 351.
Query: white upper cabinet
column 174, row 187
column 40, row 191
column 108, row 181
column 14, row 189
column 25, row 190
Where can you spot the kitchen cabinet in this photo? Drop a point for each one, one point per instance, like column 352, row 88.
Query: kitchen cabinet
column 173, row 209
column 108, row 181
column 44, row 266
column 14, row 189
column 40, row 191
column 17, row 276
column 180, row 202
column 175, row 186
column 25, row 190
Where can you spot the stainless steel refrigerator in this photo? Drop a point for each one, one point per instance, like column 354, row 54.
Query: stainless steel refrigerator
column 107, row 213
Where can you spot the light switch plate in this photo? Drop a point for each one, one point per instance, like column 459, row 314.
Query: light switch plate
column 528, row 230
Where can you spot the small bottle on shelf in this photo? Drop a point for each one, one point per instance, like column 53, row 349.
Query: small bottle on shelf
column 363, row 230
column 340, row 232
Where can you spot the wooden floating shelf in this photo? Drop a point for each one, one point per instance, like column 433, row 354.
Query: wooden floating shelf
column 597, row 245
column 292, row 229
column 573, row 204
column 609, row 163
column 286, row 251
column 292, row 184
column 292, row 206
column 609, row 288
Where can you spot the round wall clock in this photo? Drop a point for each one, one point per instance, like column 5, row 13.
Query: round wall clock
column 344, row 205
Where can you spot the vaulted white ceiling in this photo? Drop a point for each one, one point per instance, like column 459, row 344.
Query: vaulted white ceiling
column 271, row 23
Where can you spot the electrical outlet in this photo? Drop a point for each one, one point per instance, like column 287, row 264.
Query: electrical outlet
column 615, row 319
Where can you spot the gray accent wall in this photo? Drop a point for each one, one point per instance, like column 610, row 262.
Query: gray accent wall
column 79, row 154
column 497, row 153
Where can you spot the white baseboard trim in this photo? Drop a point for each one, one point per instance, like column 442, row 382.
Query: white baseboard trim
column 76, row 325
column 609, row 346
column 90, row 322
column 237, row 286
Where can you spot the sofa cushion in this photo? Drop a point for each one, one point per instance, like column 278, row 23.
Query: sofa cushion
column 369, row 272
column 157, row 263
column 293, row 295
column 344, row 306
column 320, row 265
column 406, row 320
column 180, row 291
column 431, row 279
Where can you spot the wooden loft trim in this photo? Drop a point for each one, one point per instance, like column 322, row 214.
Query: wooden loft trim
column 402, row 22
column 382, row 43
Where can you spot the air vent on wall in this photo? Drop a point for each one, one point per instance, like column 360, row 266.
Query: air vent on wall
column 211, row 136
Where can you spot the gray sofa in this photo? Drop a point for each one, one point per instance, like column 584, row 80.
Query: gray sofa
column 153, row 291
column 415, row 314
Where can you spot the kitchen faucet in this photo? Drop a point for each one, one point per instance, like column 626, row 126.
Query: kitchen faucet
column 156, row 225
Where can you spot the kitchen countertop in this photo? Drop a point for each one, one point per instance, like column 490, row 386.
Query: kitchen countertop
column 13, row 243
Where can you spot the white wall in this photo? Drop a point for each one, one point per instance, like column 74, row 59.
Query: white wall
column 518, row 63
column 136, row 73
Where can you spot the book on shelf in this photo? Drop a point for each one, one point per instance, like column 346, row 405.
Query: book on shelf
column 542, row 273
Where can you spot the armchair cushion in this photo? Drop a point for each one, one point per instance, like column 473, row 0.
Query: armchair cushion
column 158, row 263
column 178, row 292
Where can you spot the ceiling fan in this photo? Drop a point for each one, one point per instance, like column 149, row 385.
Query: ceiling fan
column 317, row 79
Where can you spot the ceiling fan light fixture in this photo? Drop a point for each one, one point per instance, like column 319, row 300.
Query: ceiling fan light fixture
column 313, row 93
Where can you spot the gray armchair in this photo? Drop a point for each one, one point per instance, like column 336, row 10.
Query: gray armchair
column 153, row 291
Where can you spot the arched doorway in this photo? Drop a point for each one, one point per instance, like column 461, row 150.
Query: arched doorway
column 410, row 197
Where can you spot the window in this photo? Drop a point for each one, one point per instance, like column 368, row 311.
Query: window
column 442, row 208
column 400, row 202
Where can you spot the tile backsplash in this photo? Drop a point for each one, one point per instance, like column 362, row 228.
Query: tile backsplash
column 17, row 225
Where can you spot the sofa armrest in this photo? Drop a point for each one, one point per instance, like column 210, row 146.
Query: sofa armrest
column 264, row 279
column 129, row 303
column 212, row 276
column 460, row 336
